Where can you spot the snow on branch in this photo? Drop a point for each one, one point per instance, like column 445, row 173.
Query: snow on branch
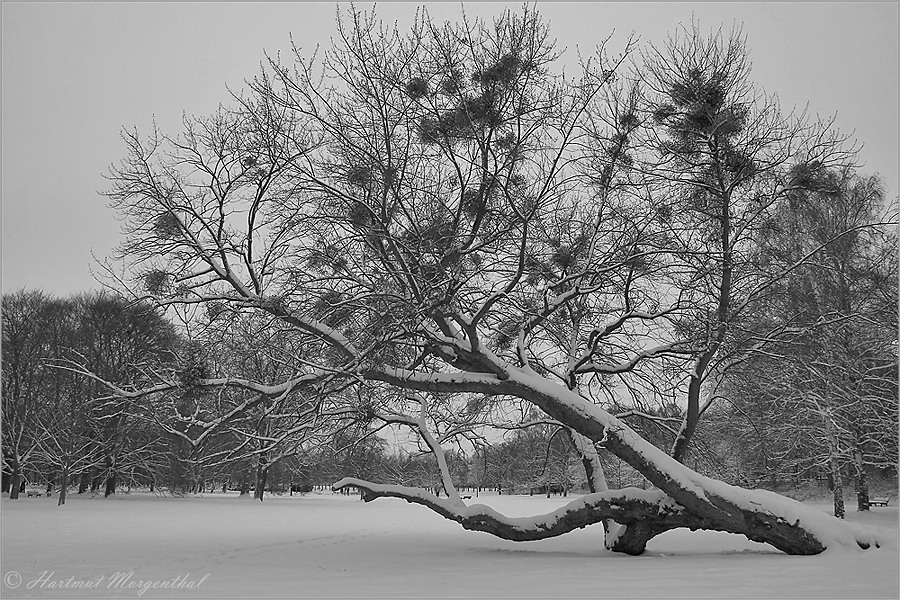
column 588, row 453
column 629, row 505
column 762, row 516
column 438, row 382
column 420, row 425
column 263, row 389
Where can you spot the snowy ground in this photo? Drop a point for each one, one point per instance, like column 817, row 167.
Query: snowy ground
column 324, row 546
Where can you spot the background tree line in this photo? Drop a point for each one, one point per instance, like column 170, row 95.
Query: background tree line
column 819, row 406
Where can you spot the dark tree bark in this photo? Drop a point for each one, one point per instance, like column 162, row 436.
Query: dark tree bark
column 110, row 484
column 96, row 480
column 15, row 479
column 862, row 479
column 85, row 481
column 111, row 475
column 837, row 489
column 837, row 480
column 645, row 518
column 262, row 475
column 63, row 484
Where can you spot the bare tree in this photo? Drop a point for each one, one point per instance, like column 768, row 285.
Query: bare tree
column 418, row 210
column 836, row 375
column 122, row 342
column 25, row 317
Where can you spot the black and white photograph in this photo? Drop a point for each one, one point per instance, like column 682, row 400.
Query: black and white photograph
column 449, row 300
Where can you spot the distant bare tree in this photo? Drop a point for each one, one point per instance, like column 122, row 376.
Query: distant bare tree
column 836, row 377
column 25, row 319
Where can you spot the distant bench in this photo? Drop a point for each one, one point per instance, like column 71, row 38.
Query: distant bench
column 879, row 501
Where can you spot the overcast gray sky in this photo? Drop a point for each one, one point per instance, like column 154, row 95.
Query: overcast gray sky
column 73, row 74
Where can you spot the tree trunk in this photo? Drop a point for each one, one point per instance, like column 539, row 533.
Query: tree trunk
column 63, row 484
column 85, row 481
column 262, row 474
column 15, row 480
column 862, row 479
column 837, row 489
column 691, row 417
column 96, row 479
column 862, row 489
column 16, row 486
column 589, row 472
column 111, row 475
column 110, row 484
column 614, row 536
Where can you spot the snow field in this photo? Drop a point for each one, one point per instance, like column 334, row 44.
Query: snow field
column 333, row 546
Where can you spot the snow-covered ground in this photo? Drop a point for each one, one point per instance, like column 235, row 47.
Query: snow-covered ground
column 325, row 546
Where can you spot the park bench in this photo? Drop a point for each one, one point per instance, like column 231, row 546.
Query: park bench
column 879, row 501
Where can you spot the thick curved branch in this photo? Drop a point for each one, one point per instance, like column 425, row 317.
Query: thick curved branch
column 645, row 509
